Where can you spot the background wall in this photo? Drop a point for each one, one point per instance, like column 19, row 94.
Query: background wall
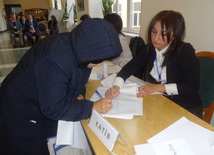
column 3, row 26
column 95, row 8
column 85, row 11
column 198, row 15
column 29, row 4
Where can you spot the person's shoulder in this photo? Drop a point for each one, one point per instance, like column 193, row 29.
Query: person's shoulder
column 184, row 46
column 18, row 21
column 9, row 22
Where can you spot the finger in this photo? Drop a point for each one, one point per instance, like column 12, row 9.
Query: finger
column 109, row 105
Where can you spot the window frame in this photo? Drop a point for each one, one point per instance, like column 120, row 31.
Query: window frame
column 129, row 15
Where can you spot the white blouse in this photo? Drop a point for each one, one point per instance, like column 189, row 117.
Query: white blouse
column 171, row 89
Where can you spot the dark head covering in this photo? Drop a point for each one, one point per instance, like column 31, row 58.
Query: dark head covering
column 95, row 40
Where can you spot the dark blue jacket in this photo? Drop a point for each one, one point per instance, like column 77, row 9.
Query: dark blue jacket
column 35, row 25
column 43, row 87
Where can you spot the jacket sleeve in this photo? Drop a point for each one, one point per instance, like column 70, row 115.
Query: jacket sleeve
column 134, row 65
column 36, row 26
column 19, row 26
column 189, row 66
column 27, row 26
column 56, row 96
column 10, row 27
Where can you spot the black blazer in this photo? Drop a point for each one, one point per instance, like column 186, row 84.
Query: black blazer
column 182, row 70
column 35, row 25
column 53, row 27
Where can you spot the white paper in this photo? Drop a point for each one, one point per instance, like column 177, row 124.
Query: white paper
column 97, row 72
column 65, row 132
column 183, row 128
column 108, row 82
column 71, row 133
column 194, row 145
column 125, row 105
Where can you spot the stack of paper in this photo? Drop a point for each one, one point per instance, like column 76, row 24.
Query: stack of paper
column 126, row 105
column 181, row 138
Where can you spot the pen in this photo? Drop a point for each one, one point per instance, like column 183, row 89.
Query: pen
column 98, row 94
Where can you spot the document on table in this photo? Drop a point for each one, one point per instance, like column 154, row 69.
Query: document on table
column 126, row 105
column 197, row 139
column 71, row 133
column 194, row 145
column 108, row 82
column 183, row 128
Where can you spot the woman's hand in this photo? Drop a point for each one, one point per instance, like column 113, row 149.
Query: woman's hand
column 112, row 92
column 149, row 89
column 103, row 105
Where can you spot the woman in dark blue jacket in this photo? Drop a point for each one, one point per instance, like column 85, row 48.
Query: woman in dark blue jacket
column 44, row 86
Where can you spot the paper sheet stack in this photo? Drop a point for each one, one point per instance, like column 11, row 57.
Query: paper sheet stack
column 126, row 105
column 181, row 138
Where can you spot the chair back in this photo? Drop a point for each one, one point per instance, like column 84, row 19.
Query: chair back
column 206, row 91
column 43, row 28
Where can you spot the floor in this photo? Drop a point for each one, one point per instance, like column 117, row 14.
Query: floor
column 10, row 56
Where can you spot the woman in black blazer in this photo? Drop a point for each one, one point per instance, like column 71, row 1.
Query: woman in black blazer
column 53, row 26
column 168, row 63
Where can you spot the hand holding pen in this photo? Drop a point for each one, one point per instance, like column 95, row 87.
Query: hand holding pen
column 103, row 105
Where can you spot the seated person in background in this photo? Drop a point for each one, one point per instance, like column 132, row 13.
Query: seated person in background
column 23, row 22
column 15, row 28
column 126, row 55
column 32, row 28
column 53, row 26
column 170, row 64
column 84, row 17
column 42, row 18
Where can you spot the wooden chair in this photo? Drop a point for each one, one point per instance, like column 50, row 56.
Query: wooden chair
column 206, row 91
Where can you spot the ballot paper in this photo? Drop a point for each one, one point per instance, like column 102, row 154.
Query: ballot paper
column 183, row 137
column 126, row 105
column 108, row 82
column 183, row 128
column 71, row 133
column 192, row 145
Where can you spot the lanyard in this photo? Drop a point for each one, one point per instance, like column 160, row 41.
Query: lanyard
column 157, row 68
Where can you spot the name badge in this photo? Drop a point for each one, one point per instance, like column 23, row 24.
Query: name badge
column 103, row 129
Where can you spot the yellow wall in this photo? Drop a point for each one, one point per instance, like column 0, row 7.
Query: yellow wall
column 29, row 4
column 2, row 15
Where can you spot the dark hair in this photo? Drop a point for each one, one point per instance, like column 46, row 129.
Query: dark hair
column 54, row 18
column 174, row 23
column 84, row 17
column 116, row 21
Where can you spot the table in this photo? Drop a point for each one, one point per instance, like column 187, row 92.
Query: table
column 158, row 113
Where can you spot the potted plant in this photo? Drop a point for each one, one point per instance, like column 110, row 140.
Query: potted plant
column 107, row 6
column 66, row 14
column 56, row 5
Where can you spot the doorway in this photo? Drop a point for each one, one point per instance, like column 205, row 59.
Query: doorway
column 13, row 9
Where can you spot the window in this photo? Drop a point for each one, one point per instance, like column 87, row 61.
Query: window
column 130, row 12
column 59, row 7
